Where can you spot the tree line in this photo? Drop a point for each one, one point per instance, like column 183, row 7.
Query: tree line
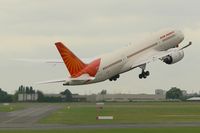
column 177, row 94
column 65, row 96
column 5, row 97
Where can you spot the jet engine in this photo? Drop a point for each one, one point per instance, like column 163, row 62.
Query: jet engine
column 174, row 57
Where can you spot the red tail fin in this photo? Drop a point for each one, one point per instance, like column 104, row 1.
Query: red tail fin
column 72, row 62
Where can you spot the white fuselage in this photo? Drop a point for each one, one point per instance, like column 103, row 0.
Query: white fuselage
column 122, row 60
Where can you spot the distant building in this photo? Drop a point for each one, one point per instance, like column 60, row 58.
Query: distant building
column 24, row 97
column 124, row 97
column 78, row 98
column 194, row 99
column 160, row 92
column 91, row 98
column 54, row 95
column 75, row 97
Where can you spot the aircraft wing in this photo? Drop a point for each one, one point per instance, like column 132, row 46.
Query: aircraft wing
column 156, row 55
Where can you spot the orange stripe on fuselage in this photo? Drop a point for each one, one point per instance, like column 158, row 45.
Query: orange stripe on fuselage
column 91, row 68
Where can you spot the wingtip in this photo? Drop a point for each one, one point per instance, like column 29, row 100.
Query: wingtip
column 190, row 43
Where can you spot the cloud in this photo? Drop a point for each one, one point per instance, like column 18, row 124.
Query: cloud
column 192, row 33
column 28, row 29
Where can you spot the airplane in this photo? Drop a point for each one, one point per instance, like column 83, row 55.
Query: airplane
column 162, row 46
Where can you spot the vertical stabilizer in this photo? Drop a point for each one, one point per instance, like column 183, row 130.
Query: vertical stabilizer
column 72, row 62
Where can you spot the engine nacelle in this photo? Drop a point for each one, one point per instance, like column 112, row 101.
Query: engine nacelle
column 174, row 57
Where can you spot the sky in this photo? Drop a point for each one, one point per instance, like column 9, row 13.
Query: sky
column 29, row 29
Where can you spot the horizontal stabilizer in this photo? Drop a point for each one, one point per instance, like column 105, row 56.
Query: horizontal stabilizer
column 52, row 81
column 83, row 78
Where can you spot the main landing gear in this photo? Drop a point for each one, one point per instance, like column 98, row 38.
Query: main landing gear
column 144, row 73
column 114, row 78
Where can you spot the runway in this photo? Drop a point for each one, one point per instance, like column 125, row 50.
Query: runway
column 99, row 126
column 29, row 115
column 28, row 118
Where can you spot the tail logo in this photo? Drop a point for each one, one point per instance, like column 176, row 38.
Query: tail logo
column 74, row 65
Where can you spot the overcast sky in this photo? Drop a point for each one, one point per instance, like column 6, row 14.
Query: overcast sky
column 29, row 29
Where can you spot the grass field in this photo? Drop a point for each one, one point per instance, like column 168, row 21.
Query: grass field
column 139, row 130
column 11, row 107
column 139, row 112
column 132, row 112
